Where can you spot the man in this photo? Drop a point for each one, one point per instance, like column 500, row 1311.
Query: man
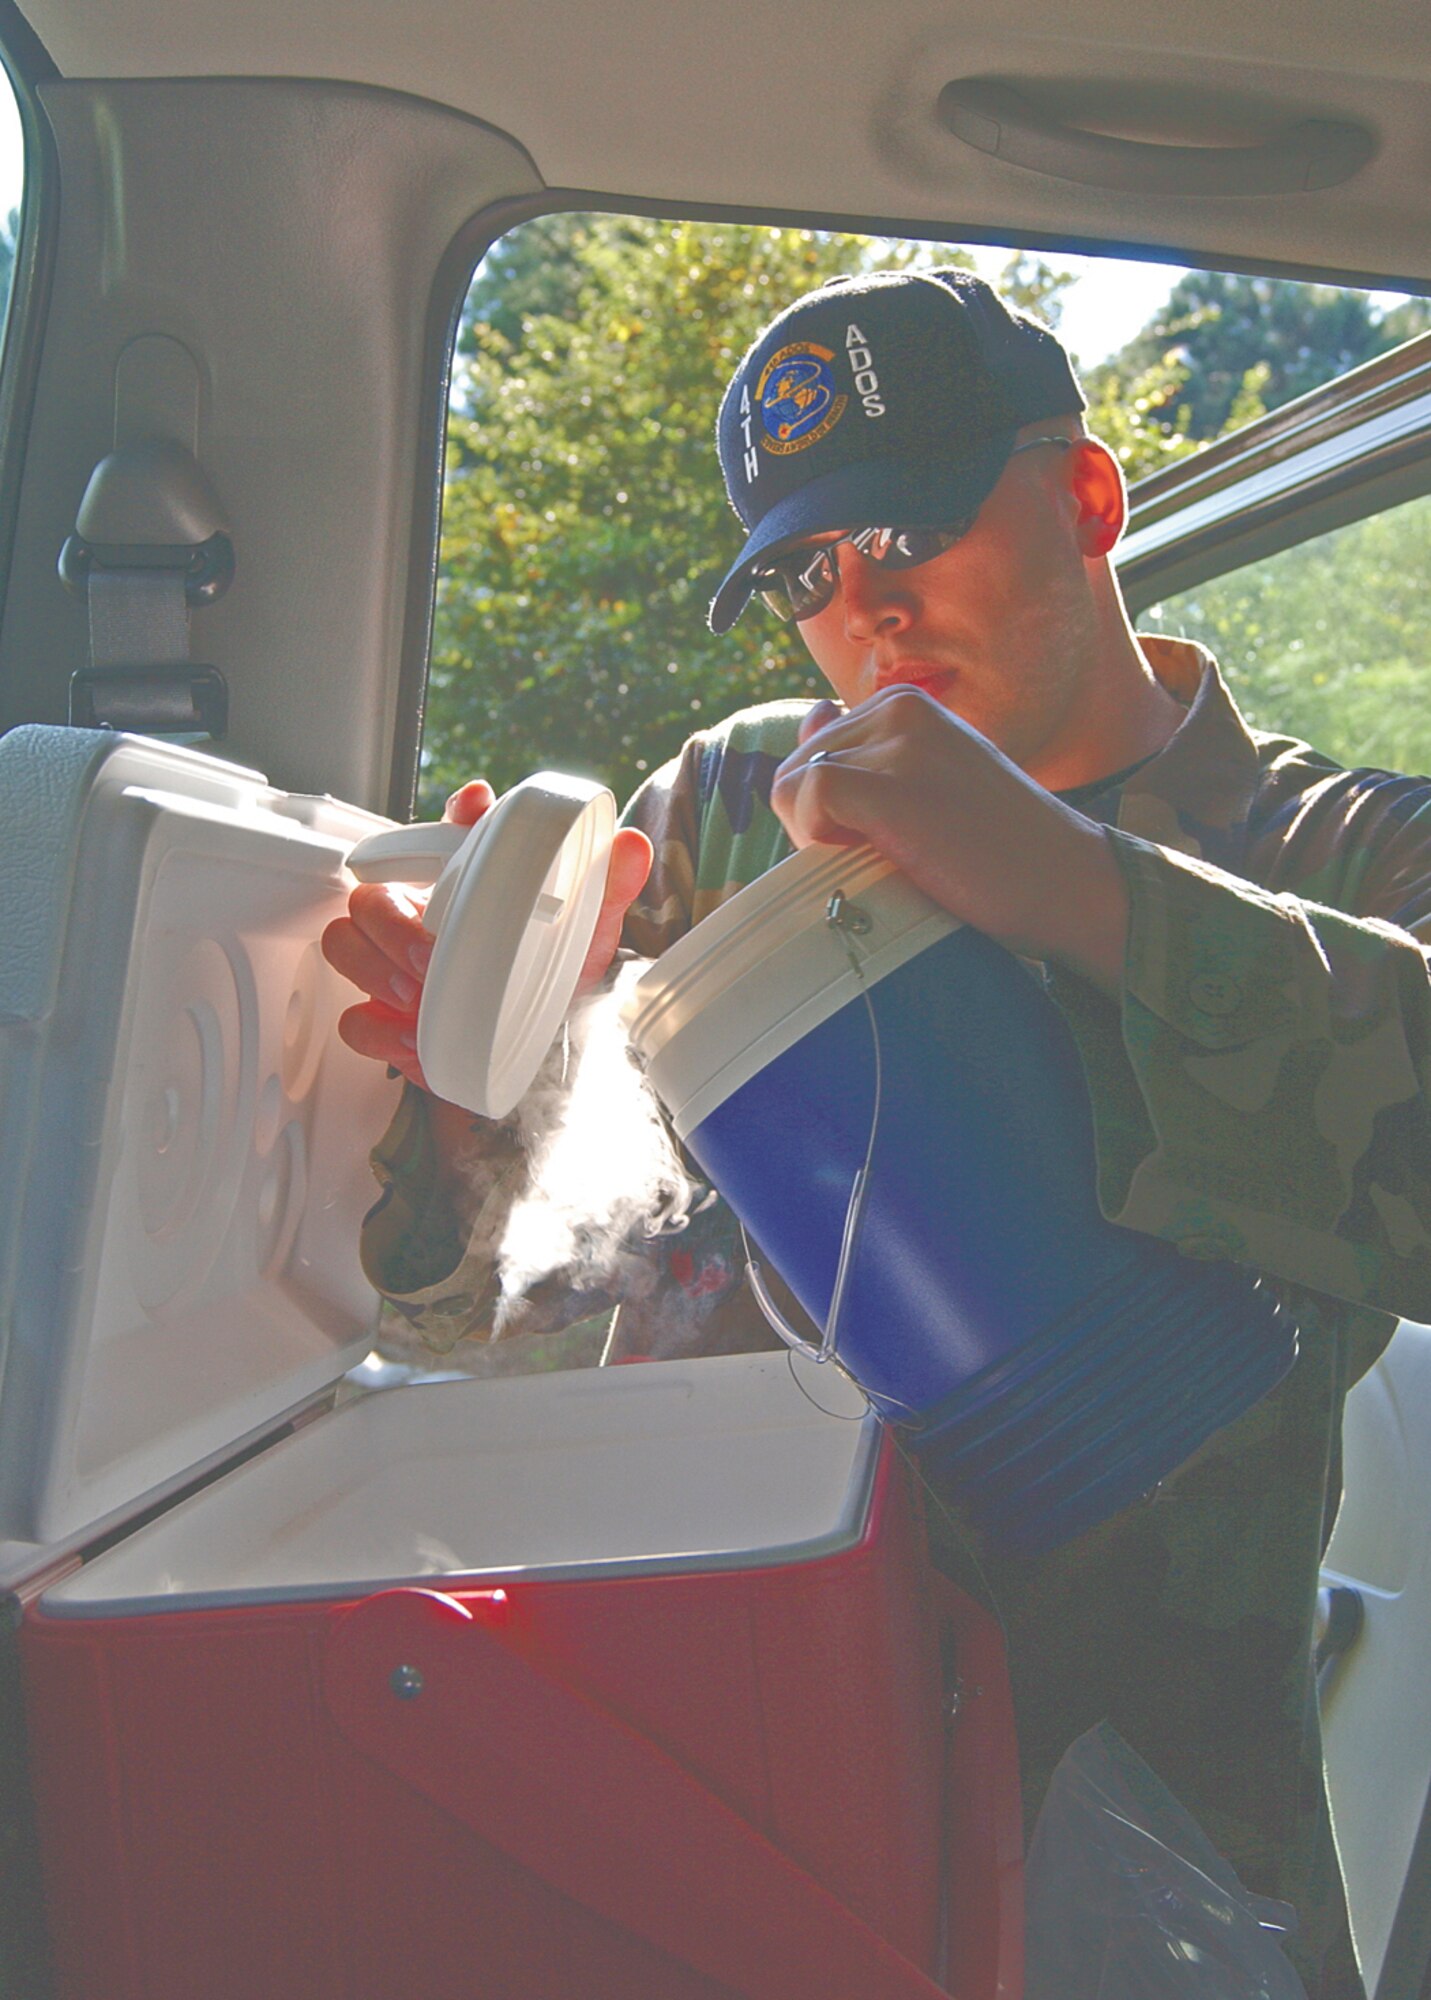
column 1229, row 922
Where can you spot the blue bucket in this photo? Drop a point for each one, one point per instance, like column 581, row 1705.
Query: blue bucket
column 1050, row 1367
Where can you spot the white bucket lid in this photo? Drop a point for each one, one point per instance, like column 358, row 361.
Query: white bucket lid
column 767, row 967
column 513, row 911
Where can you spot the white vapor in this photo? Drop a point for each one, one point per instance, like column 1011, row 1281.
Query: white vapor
column 603, row 1166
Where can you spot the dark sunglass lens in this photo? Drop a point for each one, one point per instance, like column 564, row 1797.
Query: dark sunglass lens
column 909, row 547
column 797, row 585
column 810, row 581
column 778, row 598
column 801, row 584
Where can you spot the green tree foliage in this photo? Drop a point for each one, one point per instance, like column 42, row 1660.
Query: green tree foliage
column 1223, row 349
column 538, row 271
column 1328, row 641
column 1137, row 413
column 585, row 527
column 1028, row 282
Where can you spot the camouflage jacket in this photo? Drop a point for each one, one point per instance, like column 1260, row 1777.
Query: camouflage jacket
column 1259, row 1094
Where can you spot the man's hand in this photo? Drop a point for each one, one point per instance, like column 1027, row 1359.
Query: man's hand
column 382, row 947
column 982, row 840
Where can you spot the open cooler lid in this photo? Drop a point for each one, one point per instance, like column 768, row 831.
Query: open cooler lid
column 183, row 1138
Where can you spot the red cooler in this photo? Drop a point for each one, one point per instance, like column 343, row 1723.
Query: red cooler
column 614, row 1683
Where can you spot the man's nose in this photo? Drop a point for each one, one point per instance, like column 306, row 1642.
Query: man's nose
column 876, row 599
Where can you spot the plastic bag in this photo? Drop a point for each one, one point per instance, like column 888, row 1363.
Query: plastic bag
column 1127, row 1899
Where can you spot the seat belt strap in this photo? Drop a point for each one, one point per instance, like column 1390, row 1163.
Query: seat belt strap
column 137, row 617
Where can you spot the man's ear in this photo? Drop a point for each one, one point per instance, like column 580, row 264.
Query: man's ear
column 1096, row 480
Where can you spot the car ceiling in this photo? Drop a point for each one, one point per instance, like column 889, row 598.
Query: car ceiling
column 827, row 108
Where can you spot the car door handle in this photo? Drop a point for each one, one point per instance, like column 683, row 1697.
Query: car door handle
column 996, row 119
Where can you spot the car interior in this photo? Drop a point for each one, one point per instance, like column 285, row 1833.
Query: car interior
column 245, row 238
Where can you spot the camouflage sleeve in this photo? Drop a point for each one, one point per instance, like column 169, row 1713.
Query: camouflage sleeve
column 430, row 1249
column 667, row 810
column 1264, row 1097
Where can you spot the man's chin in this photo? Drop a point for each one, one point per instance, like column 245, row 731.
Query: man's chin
column 954, row 695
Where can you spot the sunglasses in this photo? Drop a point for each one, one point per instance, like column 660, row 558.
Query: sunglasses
column 802, row 583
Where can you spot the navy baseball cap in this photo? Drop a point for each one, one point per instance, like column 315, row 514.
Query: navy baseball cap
column 891, row 400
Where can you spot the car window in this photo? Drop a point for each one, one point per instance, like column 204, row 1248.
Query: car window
column 1327, row 641
column 584, row 525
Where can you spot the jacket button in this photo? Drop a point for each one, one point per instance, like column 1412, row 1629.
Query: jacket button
column 1215, row 993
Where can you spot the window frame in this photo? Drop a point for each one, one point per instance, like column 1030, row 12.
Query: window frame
column 1357, row 446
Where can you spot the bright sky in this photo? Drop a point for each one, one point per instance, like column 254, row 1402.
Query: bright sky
column 12, row 164
column 1112, row 299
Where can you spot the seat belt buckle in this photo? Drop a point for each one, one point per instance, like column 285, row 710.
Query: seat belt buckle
column 156, row 701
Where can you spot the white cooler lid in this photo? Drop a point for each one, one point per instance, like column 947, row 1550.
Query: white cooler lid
column 733, row 1462
column 183, row 1139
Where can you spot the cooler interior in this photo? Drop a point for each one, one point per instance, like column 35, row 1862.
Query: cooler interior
column 724, row 1462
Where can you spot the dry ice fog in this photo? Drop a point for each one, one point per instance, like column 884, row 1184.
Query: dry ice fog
column 604, row 1169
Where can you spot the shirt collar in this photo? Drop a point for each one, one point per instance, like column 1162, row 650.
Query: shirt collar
column 1209, row 768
